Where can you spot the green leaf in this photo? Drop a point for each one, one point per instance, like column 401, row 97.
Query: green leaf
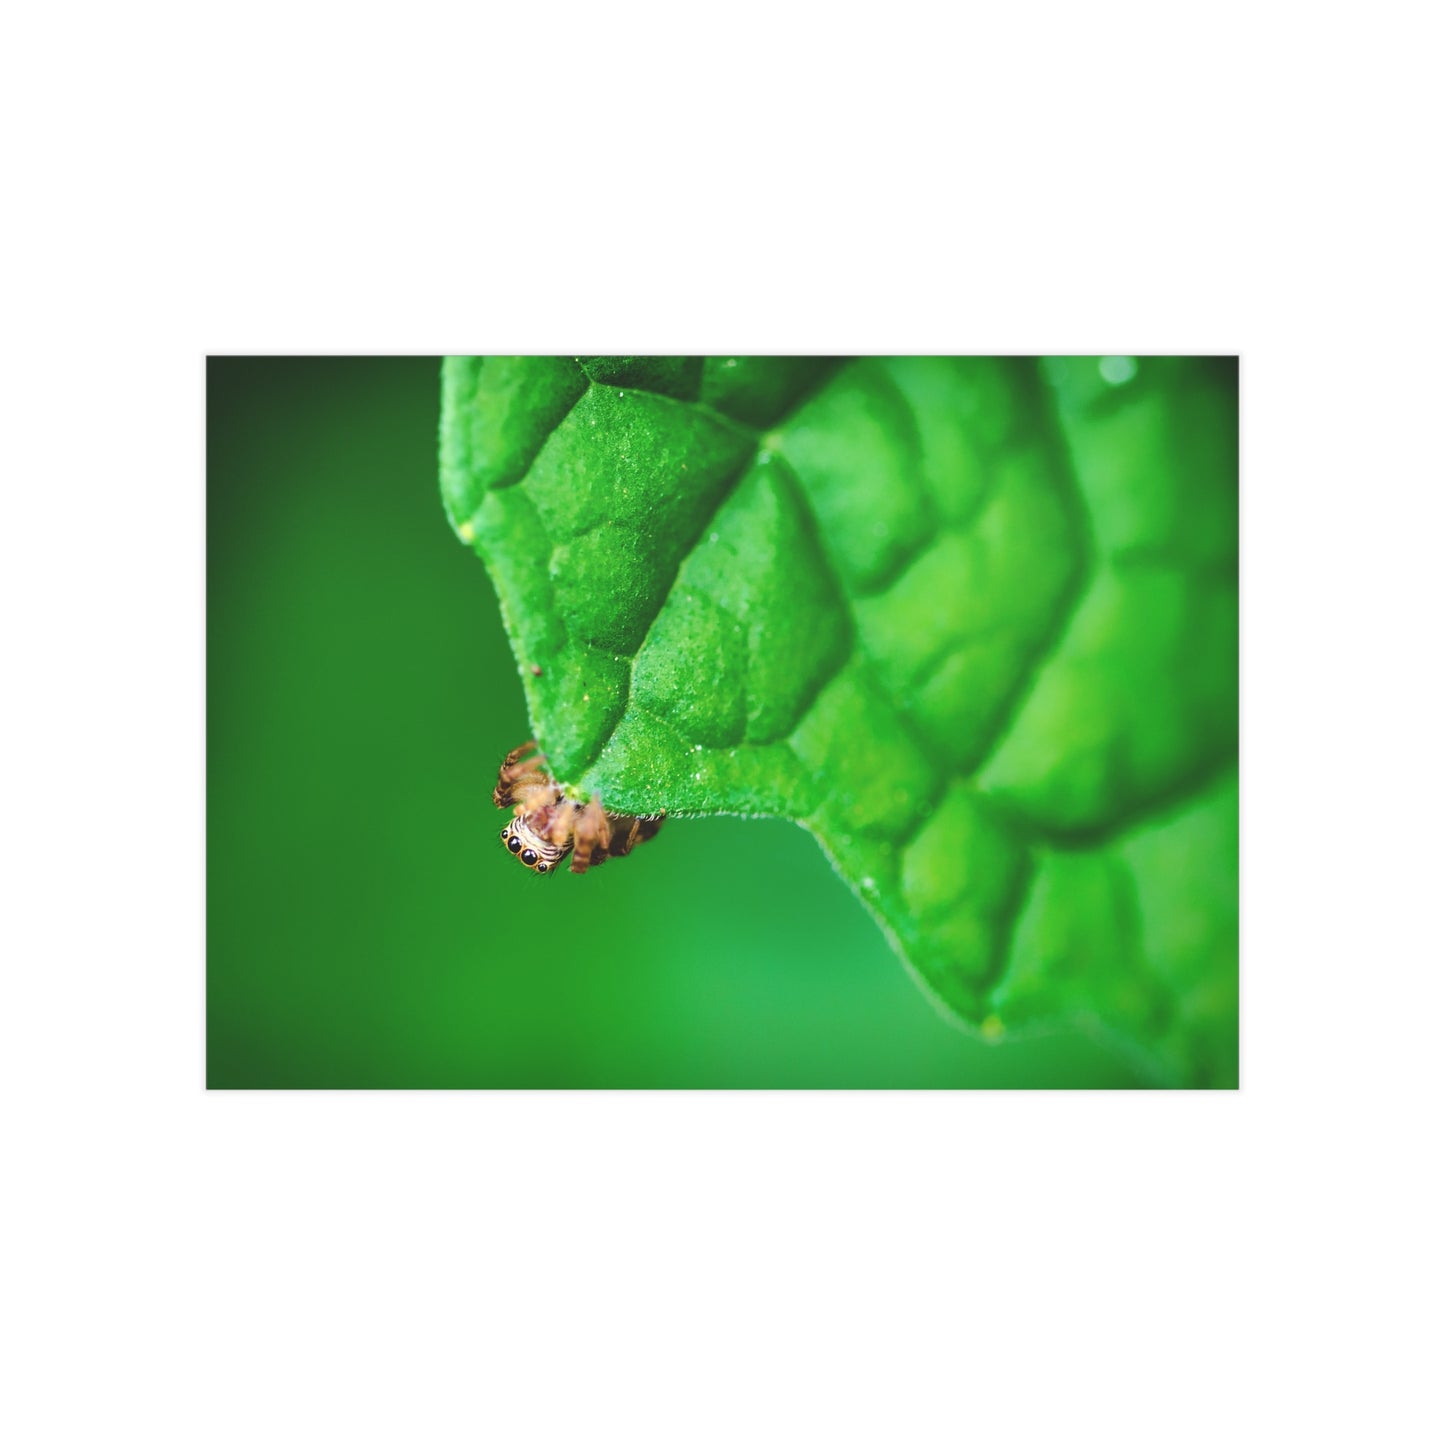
column 973, row 622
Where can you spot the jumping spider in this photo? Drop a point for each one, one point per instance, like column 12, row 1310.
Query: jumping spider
column 548, row 825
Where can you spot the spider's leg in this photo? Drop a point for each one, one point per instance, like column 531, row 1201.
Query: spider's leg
column 631, row 831
column 561, row 824
column 517, row 752
column 518, row 774
column 592, row 835
column 626, row 838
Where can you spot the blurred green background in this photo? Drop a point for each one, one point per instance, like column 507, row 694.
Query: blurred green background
column 365, row 928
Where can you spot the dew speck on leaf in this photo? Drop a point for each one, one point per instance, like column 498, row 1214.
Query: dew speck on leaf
column 1117, row 370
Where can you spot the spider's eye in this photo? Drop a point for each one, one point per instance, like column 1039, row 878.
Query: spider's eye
column 541, row 867
column 515, row 844
column 529, row 857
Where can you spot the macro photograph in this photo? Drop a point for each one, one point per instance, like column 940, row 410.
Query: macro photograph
column 632, row 699
column 898, row 695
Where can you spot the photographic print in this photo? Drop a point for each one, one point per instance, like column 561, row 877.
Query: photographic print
column 897, row 695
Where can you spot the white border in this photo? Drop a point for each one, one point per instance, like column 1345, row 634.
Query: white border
column 183, row 1266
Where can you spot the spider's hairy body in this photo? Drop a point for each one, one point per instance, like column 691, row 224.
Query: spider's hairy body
column 522, row 836
column 546, row 825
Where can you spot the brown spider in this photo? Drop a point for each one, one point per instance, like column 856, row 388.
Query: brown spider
column 548, row 825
